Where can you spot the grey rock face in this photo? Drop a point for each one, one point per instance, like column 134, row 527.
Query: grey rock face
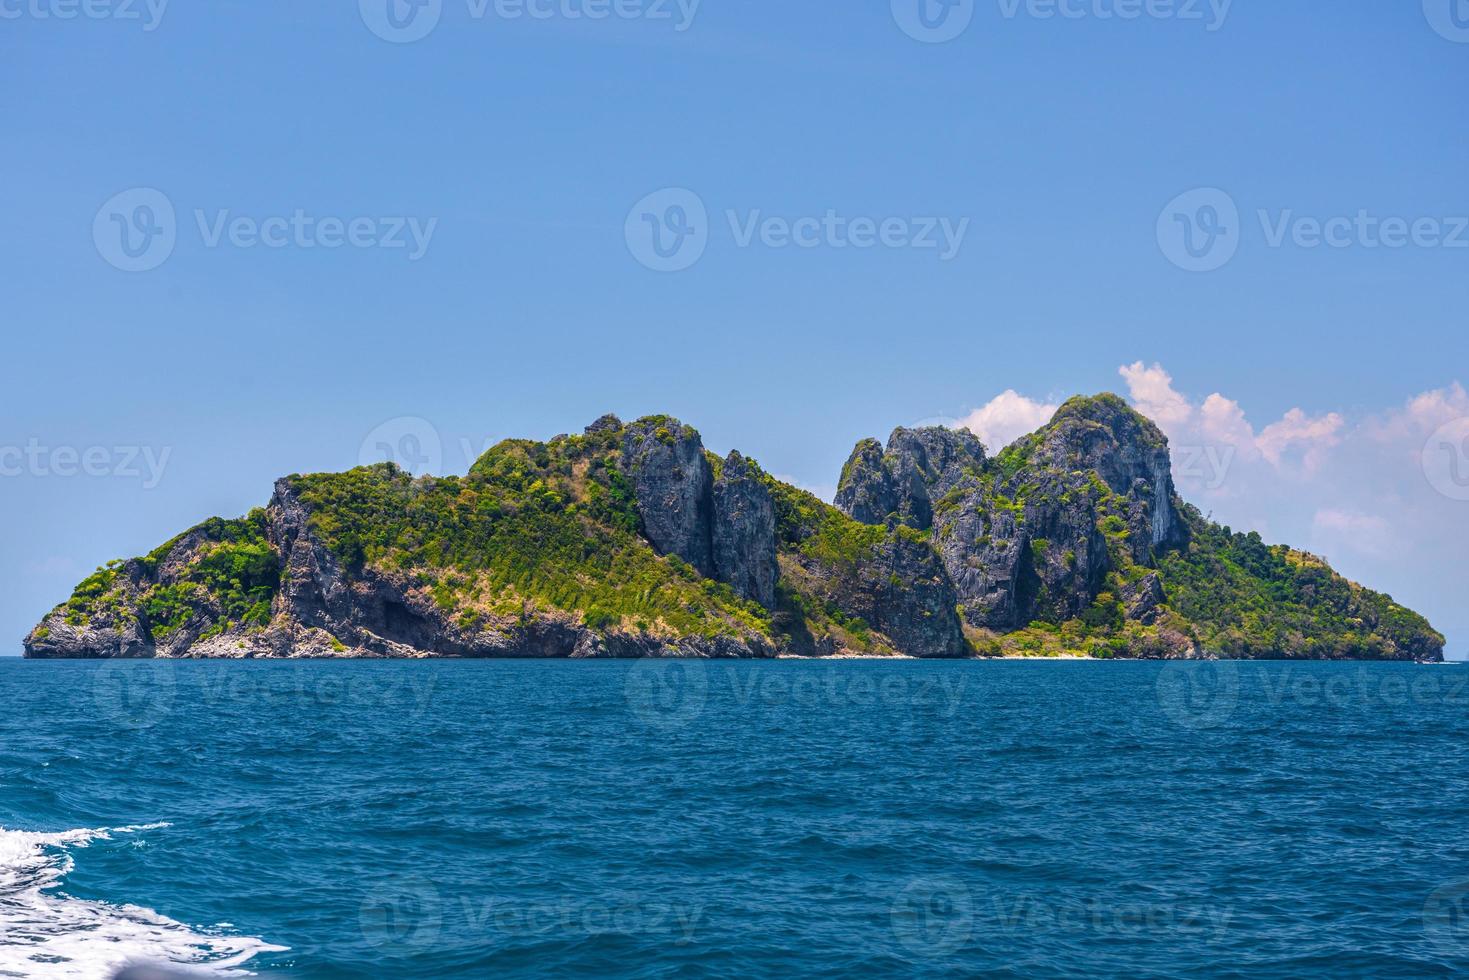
column 1131, row 456
column 674, row 484
column 867, row 491
column 899, row 589
column 1024, row 542
column 984, row 550
column 916, row 470
column 1142, row 598
column 915, row 603
column 744, row 549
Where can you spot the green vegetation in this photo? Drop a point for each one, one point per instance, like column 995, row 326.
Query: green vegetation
column 223, row 570
column 1249, row 599
column 533, row 526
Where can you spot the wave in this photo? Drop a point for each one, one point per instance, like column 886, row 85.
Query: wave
column 51, row 934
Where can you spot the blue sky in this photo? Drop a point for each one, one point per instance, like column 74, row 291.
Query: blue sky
column 1066, row 147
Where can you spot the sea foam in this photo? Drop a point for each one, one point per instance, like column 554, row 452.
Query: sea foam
column 47, row 933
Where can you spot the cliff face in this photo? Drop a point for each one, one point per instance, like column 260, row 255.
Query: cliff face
column 1022, row 537
column 632, row 540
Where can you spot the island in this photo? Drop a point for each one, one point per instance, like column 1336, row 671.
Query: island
column 632, row 540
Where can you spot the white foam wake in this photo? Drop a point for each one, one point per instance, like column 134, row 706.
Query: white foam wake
column 44, row 933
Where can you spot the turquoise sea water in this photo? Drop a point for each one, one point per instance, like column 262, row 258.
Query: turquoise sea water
column 652, row 819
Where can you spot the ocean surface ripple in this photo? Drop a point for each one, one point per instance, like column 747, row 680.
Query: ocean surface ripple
column 668, row 818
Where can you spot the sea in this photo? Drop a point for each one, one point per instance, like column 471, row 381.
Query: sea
column 713, row 819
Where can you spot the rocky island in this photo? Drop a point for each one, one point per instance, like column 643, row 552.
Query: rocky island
column 632, row 540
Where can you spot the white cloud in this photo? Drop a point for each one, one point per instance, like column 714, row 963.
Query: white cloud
column 1313, row 436
column 1354, row 490
column 1222, row 420
column 1152, row 392
column 1007, row 417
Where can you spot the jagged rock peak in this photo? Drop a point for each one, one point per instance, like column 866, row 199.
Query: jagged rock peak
column 1126, row 449
column 743, row 534
column 904, row 480
column 673, row 483
column 607, row 423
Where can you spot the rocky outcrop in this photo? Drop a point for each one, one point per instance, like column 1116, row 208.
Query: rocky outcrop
column 1022, row 536
column 743, row 534
column 674, row 484
column 903, row 482
column 898, row 588
column 1103, row 435
column 724, row 528
column 867, row 491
